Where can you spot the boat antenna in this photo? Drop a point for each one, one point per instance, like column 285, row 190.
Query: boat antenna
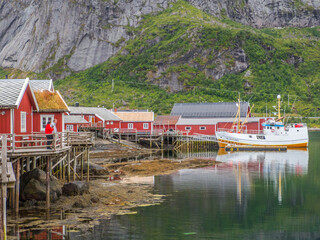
column 279, row 113
column 239, row 113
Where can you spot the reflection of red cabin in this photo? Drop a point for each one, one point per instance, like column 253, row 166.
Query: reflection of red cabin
column 136, row 121
column 51, row 105
column 56, row 233
column 17, row 103
column 97, row 117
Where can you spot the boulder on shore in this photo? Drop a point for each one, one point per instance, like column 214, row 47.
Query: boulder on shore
column 95, row 169
column 33, row 186
column 75, row 188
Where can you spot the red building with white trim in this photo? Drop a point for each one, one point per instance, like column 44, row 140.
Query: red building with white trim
column 17, row 103
column 136, row 121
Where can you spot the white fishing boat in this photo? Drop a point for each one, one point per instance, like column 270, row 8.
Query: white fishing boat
column 274, row 133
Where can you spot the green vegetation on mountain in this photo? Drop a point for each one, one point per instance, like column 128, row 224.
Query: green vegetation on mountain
column 188, row 43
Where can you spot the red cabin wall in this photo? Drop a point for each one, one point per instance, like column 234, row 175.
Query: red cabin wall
column 164, row 127
column 4, row 121
column 115, row 124
column 25, row 106
column 137, row 126
column 195, row 129
column 37, row 120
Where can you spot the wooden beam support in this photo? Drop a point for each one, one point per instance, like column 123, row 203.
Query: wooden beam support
column 48, row 183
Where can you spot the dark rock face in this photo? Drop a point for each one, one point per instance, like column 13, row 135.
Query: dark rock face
column 35, row 35
column 33, row 186
column 265, row 13
column 75, row 188
column 95, row 169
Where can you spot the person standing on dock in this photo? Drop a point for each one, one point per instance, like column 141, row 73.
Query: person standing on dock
column 48, row 131
column 54, row 126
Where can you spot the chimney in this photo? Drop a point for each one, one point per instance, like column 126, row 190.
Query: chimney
column 6, row 76
column 115, row 110
column 77, row 104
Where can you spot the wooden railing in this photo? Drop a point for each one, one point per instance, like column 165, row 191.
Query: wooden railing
column 36, row 141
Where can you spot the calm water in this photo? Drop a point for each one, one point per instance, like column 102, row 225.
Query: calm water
column 273, row 195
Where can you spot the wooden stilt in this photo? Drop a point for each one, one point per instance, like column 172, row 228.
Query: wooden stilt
column 34, row 163
column 28, row 164
column 48, row 170
column 82, row 158
column 74, row 164
column 68, row 166
column 88, row 164
column 17, row 187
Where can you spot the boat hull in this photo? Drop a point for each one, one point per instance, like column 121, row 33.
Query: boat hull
column 294, row 138
column 224, row 143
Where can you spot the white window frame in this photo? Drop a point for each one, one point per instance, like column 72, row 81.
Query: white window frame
column 42, row 129
column 23, row 121
column 108, row 122
column 90, row 119
column 188, row 128
column 130, row 125
column 111, row 123
column 69, row 127
column 203, row 128
column 145, row 125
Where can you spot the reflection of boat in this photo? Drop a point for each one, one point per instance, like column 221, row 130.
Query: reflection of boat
column 292, row 161
column 274, row 133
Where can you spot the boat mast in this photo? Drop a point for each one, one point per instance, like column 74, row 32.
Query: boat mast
column 238, row 113
column 279, row 113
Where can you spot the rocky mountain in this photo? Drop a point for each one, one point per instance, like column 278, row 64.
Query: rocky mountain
column 265, row 13
column 37, row 35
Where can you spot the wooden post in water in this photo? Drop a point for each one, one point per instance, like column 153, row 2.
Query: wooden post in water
column 48, row 183
column 17, row 187
column 82, row 152
column 68, row 168
column 4, row 179
column 74, row 164
column 88, row 170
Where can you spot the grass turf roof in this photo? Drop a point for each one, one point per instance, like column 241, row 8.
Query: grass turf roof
column 48, row 101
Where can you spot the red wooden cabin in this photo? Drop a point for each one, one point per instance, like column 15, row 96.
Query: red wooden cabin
column 136, row 121
column 165, row 123
column 72, row 123
column 98, row 117
column 17, row 103
column 51, row 106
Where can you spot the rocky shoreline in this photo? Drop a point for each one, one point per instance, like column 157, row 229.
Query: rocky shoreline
column 115, row 188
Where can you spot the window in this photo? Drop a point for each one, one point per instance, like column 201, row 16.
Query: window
column 203, row 128
column 69, row 128
column 44, row 120
column 130, row 125
column 108, row 123
column 250, row 136
column 111, row 122
column 146, row 126
column 90, row 119
column 261, row 137
column 23, row 118
column 188, row 128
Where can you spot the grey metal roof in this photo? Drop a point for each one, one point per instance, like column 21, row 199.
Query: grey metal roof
column 105, row 114
column 209, row 110
column 38, row 85
column 210, row 121
column 74, row 119
column 10, row 91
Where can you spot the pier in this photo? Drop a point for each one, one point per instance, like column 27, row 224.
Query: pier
column 58, row 157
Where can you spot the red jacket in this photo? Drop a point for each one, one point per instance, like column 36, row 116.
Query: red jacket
column 48, row 129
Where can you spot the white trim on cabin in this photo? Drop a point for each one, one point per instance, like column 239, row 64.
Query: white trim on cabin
column 62, row 116
column 103, row 120
column 11, row 120
column 145, row 125
column 23, row 122
column 51, row 87
column 34, row 97
column 46, row 116
column 62, row 100
column 188, row 128
column 24, row 87
column 69, row 127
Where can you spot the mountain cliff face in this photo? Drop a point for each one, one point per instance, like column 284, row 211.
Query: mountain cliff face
column 265, row 13
column 35, row 35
